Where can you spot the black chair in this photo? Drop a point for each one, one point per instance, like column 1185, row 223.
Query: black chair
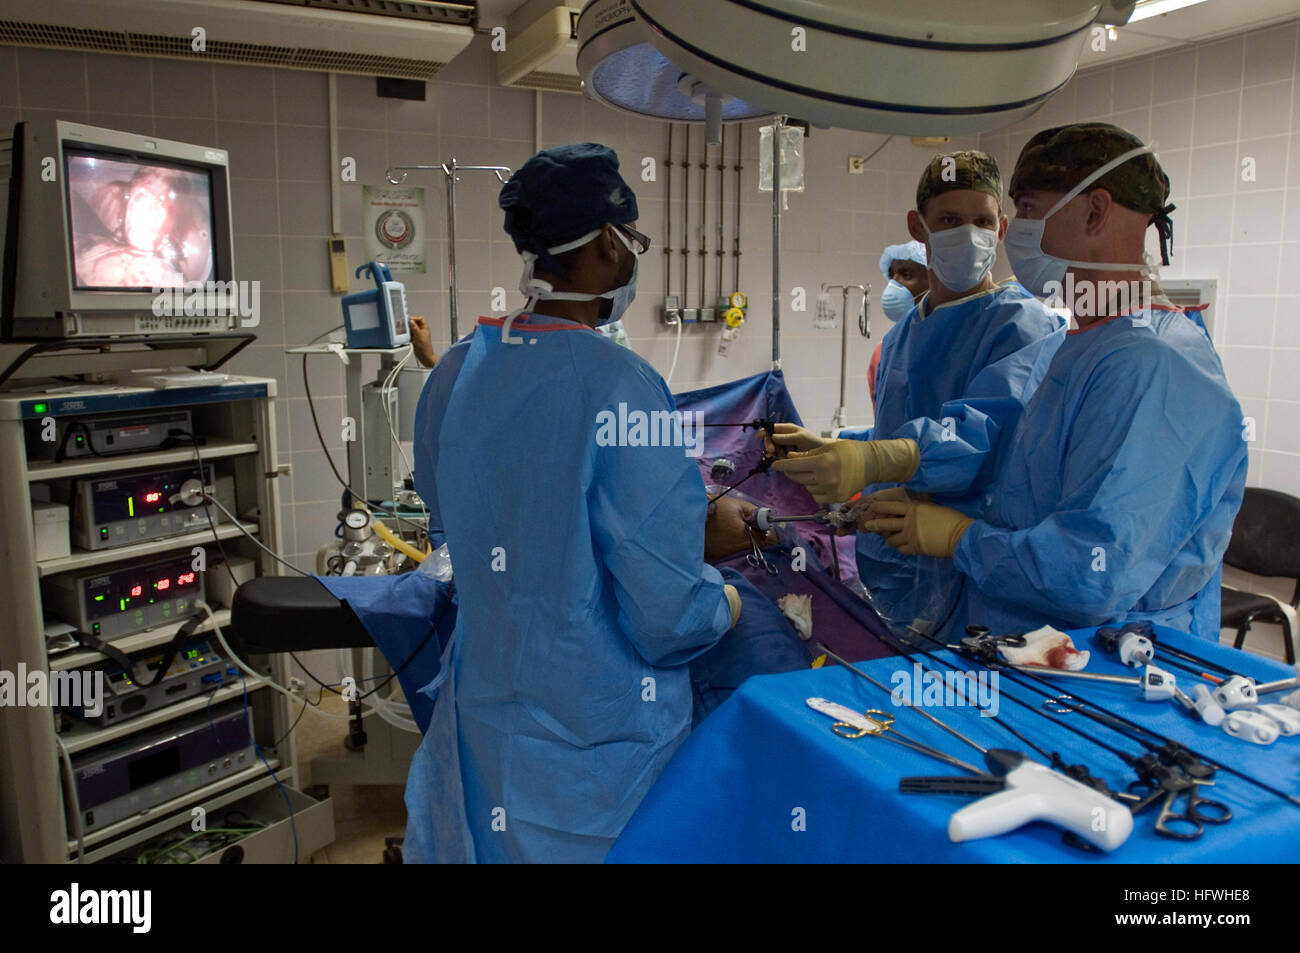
column 1265, row 541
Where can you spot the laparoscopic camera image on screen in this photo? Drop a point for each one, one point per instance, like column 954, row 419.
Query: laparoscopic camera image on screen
column 138, row 225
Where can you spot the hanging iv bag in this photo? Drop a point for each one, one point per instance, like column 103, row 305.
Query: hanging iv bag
column 791, row 161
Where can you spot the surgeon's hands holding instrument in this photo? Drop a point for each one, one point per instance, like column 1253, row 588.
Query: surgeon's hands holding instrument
column 786, row 437
column 837, row 469
column 917, row 528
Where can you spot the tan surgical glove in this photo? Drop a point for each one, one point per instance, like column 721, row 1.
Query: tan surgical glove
column 733, row 603
column 790, row 437
column 837, row 469
column 917, row 529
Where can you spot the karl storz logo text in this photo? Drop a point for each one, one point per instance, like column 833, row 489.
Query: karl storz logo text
column 77, row 906
column 921, row 688
column 655, row 428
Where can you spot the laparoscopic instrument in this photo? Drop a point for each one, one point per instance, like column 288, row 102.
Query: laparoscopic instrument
column 765, row 425
column 981, row 647
column 1015, row 790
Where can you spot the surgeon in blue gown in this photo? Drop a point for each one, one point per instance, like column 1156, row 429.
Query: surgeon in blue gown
column 577, row 543
column 1117, row 498
column 954, row 375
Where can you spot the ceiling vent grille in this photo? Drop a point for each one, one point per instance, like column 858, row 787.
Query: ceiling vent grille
column 369, row 37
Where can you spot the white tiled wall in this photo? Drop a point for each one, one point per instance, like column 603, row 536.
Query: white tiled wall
column 1212, row 111
column 1207, row 107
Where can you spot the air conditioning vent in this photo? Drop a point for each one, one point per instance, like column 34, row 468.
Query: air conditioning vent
column 370, row 37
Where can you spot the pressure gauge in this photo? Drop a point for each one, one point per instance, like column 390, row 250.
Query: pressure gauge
column 356, row 525
column 738, row 299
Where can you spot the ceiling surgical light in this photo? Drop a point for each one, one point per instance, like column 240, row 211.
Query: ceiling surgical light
column 1146, row 9
column 907, row 67
column 621, row 68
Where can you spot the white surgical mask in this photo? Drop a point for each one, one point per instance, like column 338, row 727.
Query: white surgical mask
column 1039, row 271
column 535, row 289
column 961, row 257
column 895, row 300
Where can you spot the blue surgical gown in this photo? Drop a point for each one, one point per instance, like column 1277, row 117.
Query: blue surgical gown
column 1117, row 497
column 956, row 381
column 582, row 588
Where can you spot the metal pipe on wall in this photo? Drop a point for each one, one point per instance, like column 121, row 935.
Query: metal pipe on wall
column 722, row 184
column 704, row 216
column 668, row 217
column 686, row 214
column 739, row 168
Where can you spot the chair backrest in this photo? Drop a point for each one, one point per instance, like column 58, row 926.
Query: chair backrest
column 1266, row 534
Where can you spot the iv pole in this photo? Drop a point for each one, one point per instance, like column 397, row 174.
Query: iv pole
column 777, row 124
column 449, row 171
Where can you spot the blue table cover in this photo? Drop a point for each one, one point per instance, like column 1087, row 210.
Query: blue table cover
column 739, row 786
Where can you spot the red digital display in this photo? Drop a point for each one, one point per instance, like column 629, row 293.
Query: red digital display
column 152, row 497
column 136, row 591
column 163, row 584
column 185, row 579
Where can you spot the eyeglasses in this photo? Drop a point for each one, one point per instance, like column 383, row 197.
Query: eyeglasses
column 641, row 242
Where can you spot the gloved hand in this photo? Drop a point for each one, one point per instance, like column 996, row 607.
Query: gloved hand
column 861, row 507
column 837, row 469
column 733, row 603
column 917, row 529
column 790, row 437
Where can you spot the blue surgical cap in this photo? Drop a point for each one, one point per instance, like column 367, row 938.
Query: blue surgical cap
column 563, row 193
column 908, row 251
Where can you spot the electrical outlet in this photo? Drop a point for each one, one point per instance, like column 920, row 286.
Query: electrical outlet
column 857, row 165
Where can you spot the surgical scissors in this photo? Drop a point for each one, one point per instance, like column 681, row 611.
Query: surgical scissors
column 880, row 724
column 756, row 557
column 1189, row 823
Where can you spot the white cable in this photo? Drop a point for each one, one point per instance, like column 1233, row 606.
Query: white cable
column 76, row 800
column 396, row 713
column 383, row 397
column 240, row 526
column 266, row 679
column 676, row 351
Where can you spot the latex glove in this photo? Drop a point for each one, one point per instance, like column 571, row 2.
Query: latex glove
column 861, row 507
column 917, row 529
column 733, row 603
column 837, row 469
column 790, row 437
column 422, row 342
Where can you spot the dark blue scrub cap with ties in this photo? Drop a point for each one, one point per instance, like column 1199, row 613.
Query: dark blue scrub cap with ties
column 562, row 194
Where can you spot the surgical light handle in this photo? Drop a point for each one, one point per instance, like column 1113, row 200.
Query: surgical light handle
column 1034, row 792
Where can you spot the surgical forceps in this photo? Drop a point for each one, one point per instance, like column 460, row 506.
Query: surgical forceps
column 880, row 724
column 1187, row 824
column 756, row 558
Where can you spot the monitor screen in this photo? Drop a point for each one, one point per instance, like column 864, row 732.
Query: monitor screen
column 137, row 224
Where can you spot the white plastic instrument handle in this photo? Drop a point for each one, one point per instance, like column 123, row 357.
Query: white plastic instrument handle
column 1237, row 692
column 1037, row 793
column 1210, row 711
column 1157, row 684
column 1287, row 718
column 1135, row 650
column 1250, row 725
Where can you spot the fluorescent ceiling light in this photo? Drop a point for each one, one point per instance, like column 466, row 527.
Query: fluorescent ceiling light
column 1154, row 8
